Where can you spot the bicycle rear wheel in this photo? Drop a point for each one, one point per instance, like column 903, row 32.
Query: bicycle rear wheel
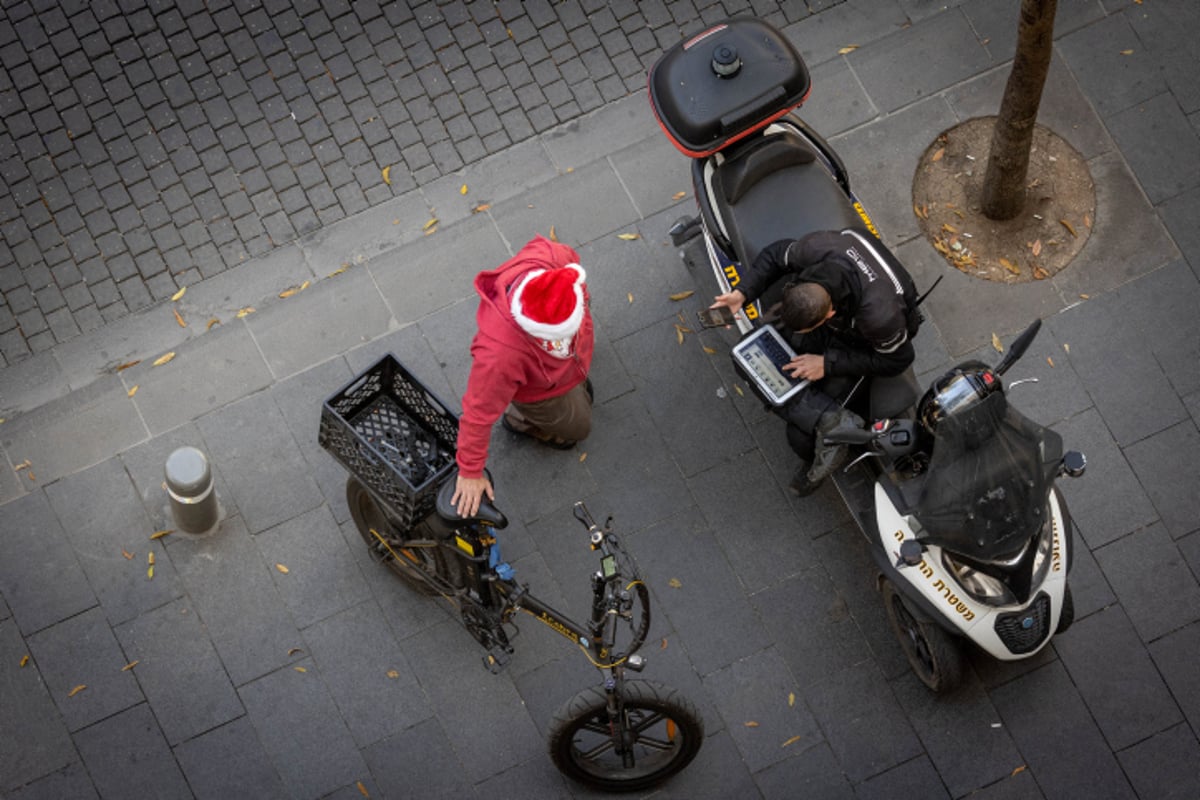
column 660, row 733
column 410, row 563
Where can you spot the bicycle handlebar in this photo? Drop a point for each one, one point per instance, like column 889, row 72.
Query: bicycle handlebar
column 582, row 514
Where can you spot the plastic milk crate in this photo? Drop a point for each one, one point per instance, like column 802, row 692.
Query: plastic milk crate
column 394, row 435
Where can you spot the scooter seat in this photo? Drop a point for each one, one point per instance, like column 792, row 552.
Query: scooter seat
column 487, row 512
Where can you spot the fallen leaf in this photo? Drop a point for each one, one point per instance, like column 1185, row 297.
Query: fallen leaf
column 128, row 555
column 937, row 156
column 393, row 674
column 631, row 298
column 293, row 651
column 738, row 389
column 211, row 323
column 132, row 391
column 339, row 270
column 431, row 231
column 150, row 573
column 1036, row 248
column 1126, row 52
column 161, row 534
column 386, row 172
column 282, row 568
column 24, row 660
column 629, row 237
column 463, row 190
column 245, row 312
column 150, row 558
column 23, row 465
column 1039, row 274
column 432, row 223
column 77, row 690
column 1070, row 228
column 850, row 48
column 1087, row 221
column 682, row 295
column 129, row 666
column 553, row 237
column 710, row 351
column 480, row 208
column 164, row 359
column 582, row 457
column 679, row 195
column 286, row 293
column 750, row 724
column 1017, row 771
column 792, row 740
column 1050, row 361
column 127, row 365
column 921, row 211
column 999, row 347
column 178, row 294
column 948, row 228
column 362, row 789
column 679, row 333
column 1066, row 348
column 663, row 644
column 675, row 583
column 791, row 699
column 300, row 669
column 1011, row 267
column 179, row 318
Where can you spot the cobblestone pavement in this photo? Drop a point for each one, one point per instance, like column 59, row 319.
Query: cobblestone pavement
column 147, row 145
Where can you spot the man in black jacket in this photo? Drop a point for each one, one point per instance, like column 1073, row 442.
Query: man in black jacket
column 852, row 308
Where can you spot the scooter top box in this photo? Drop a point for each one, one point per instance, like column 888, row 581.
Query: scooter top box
column 725, row 83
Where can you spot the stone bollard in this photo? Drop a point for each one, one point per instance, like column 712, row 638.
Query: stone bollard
column 190, row 488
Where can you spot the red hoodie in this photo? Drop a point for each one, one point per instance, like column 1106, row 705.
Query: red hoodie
column 507, row 363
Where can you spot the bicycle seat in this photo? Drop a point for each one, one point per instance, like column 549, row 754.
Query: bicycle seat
column 487, row 514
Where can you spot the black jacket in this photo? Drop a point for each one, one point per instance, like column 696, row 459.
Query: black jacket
column 873, row 299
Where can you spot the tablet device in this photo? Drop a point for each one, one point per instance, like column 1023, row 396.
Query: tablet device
column 762, row 356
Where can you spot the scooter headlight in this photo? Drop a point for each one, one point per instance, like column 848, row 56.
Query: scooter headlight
column 982, row 587
column 1041, row 560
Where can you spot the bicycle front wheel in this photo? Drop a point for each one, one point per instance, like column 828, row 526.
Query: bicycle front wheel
column 658, row 735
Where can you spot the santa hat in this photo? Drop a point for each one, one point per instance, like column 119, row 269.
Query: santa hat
column 548, row 303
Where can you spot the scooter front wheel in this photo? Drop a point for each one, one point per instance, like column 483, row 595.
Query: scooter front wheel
column 658, row 734
column 932, row 653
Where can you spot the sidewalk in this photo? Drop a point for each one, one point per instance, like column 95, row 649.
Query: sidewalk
column 253, row 682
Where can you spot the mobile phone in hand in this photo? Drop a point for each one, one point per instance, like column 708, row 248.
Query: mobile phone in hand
column 718, row 317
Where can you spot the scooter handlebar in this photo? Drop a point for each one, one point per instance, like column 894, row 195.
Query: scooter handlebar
column 850, row 436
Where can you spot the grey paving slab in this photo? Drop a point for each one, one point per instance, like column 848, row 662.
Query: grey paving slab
column 207, row 373
column 1173, row 494
column 532, row 778
column 33, row 739
column 654, row 173
column 471, row 711
column 171, row 650
column 838, row 101
column 819, row 37
column 73, row 432
column 996, row 23
column 320, row 322
column 1112, row 78
column 103, row 520
column 375, row 689
column 249, row 284
column 582, row 205
column 10, row 480
column 1164, row 765
column 1089, row 587
column 131, row 737
column 82, row 651
column 1060, row 742
column 862, row 721
column 915, row 778
column 1175, row 657
column 31, row 383
column 421, row 756
column 759, row 701
column 1161, row 145
column 237, row 601
column 366, row 235
column 322, row 578
column 601, row 132
column 814, row 772
column 227, row 761
column 301, row 731
column 1152, row 581
column 33, row 546
column 1179, row 213
column 1116, row 678
column 881, row 156
column 920, row 60
column 72, row 781
column 252, row 445
column 422, row 277
column 1172, row 332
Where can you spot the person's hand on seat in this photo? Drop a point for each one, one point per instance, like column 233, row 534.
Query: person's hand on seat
column 468, row 494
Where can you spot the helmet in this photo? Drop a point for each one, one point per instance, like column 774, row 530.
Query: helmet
column 958, row 390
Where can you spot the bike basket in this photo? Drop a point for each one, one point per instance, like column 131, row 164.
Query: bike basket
column 394, row 435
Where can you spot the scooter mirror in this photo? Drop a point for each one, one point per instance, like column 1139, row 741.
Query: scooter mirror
column 1018, row 347
column 1074, row 464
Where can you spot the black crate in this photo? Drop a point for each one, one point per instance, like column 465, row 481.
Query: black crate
column 394, row 435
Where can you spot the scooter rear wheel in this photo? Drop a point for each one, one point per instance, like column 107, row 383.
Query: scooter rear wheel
column 410, row 563
column 932, row 653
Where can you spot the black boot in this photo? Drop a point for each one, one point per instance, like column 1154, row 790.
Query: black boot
column 801, row 486
column 828, row 457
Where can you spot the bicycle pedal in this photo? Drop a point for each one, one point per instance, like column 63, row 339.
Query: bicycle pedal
column 496, row 660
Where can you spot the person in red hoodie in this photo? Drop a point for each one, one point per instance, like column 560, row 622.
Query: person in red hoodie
column 530, row 361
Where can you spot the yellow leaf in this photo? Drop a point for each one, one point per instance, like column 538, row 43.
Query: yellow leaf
column 792, row 740
column 393, row 674
column 150, row 573
column 631, row 297
column 1070, row 228
column 387, row 178
column 582, row 457
column 245, row 312
column 738, row 389
column 294, row 650
column 948, row 228
column 750, row 724
column 999, row 347
column 179, row 318
column 24, row 660
column 682, row 295
column 679, row 195
column 629, row 237
column 1050, row 361
column 164, row 359
column 339, row 270
column 937, row 156
column 127, row 365
column 1067, row 348
column 1039, row 274
column 675, row 583
column 363, row 789
column 850, row 48
column 553, row 236
column 710, row 351
column 300, row 669
column 211, row 323
column 432, row 223
column 150, row 558
column 1011, row 267
column 463, row 190
column 1126, row 52
column 286, row 293
column 1087, row 220
column 23, row 465
column 161, row 534
column 1017, row 771
column 128, row 555
column 282, row 568
column 679, row 334
column 481, row 207
column 132, row 391
column 431, row 231
column 1036, row 247
column 77, row 690
column 178, row 294
column 129, row 666
column 663, row 645
column 791, row 699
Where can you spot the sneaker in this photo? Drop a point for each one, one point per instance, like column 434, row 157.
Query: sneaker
column 522, row 428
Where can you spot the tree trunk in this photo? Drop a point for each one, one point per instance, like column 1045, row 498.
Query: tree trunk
column 1008, row 162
